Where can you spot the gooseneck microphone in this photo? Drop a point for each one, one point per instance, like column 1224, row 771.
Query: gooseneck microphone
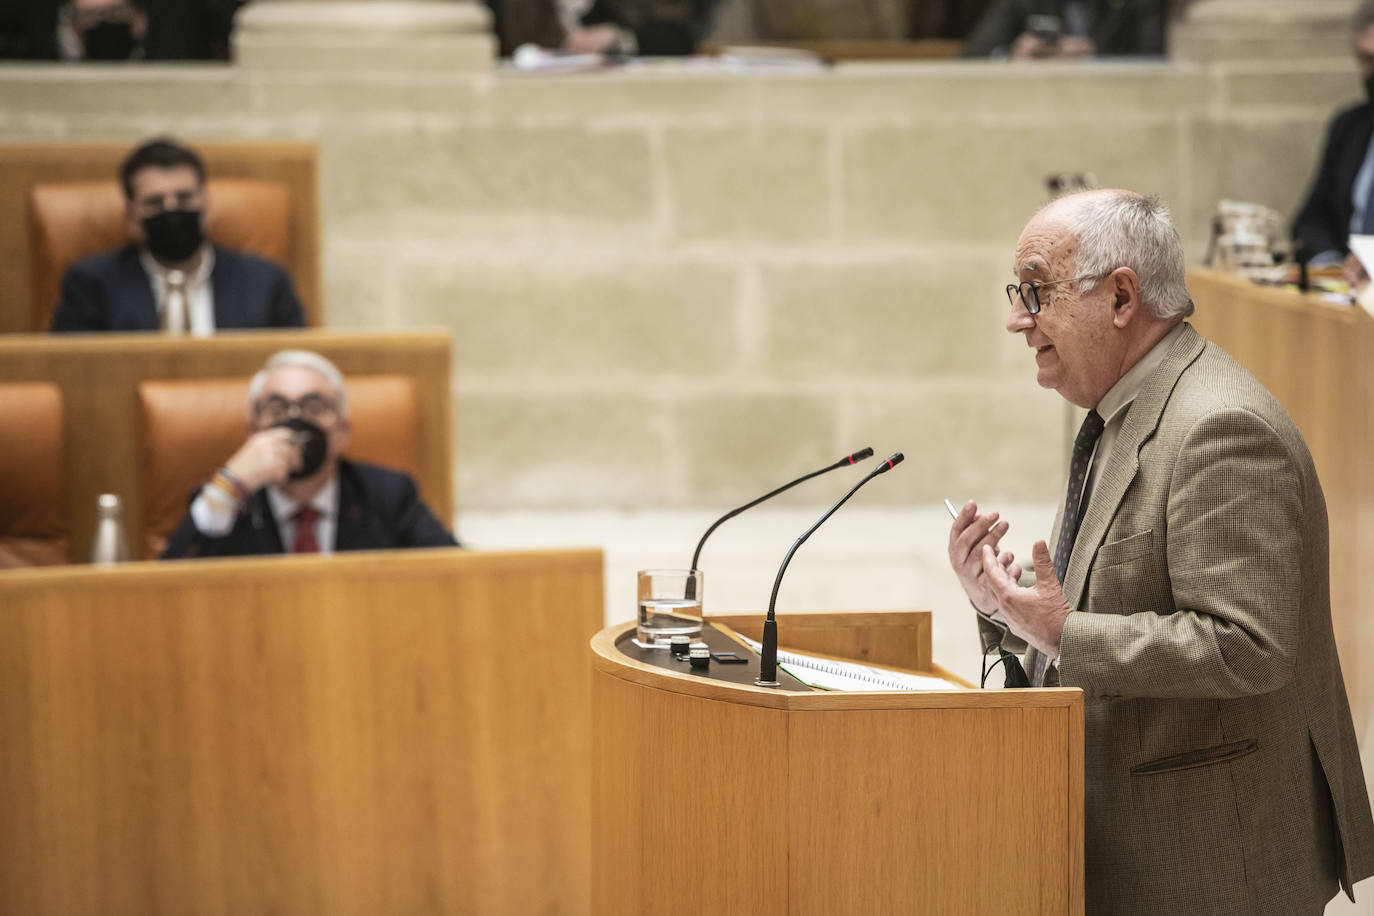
column 855, row 458
column 768, row 661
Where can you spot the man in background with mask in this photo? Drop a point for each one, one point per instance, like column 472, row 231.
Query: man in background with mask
column 1341, row 201
column 101, row 30
column 171, row 277
column 289, row 489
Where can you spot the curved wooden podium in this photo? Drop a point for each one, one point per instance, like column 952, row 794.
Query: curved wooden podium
column 717, row 798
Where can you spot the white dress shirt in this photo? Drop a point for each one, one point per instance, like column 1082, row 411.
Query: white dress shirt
column 214, row 514
column 200, row 302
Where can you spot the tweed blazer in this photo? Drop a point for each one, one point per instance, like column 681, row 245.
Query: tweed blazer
column 1221, row 770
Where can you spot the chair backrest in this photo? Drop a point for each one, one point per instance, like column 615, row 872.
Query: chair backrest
column 70, row 220
column 32, row 529
column 188, row 428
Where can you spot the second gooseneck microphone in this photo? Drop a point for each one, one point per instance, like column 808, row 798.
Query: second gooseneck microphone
column 855, row 458
column 768, row 661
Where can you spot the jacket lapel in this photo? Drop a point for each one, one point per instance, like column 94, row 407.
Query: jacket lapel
column 351, row 531
column 1142, row 419
column 136, row 289
column 222, row 293
column 263, row 525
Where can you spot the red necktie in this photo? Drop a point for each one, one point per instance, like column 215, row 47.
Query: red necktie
column 305, row 531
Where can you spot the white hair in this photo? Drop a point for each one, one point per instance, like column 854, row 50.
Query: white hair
column 1117, row 230
column 301, row 359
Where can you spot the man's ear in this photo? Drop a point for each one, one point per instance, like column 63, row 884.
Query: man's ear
column 1125, row 289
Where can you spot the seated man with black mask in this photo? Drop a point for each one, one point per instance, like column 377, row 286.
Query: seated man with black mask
column 288, row 489
column 171, row 277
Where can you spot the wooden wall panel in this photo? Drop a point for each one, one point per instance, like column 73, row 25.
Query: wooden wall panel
column 900, row 805
column 99, row 376
column 690, row 804
column 402, row 732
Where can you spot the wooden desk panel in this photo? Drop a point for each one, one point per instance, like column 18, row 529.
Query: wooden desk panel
column 99, row 376
column 1318, row 359
column 403, row 732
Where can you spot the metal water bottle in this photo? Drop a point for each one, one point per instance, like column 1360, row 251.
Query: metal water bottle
column 110, row 545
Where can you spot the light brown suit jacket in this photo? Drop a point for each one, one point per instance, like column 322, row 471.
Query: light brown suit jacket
column 1222, row 774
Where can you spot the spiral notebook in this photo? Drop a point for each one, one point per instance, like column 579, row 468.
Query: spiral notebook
column 830, row 674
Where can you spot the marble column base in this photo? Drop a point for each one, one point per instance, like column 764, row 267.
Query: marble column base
column 361, row 36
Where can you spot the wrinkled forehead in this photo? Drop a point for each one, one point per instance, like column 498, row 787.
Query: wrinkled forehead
column 1047, row 247
column 295, row 382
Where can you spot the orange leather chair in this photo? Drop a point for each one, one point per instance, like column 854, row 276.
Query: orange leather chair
column 33, row 531
column 188, row 428
column 71, row 220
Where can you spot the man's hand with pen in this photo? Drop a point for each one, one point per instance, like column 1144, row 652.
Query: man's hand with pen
column 969, row 534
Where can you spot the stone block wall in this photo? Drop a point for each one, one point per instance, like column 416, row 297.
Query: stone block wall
column 674, row 288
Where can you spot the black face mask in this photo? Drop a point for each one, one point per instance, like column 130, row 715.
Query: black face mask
column 109, row 41
column 314, row 446
column 1369, row 87
column 173, row 235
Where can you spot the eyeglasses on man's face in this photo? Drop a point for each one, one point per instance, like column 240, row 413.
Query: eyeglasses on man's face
column 1028, row 293
column 316, row 408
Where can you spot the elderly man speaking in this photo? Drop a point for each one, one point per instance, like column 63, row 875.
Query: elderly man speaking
column 1186, row 594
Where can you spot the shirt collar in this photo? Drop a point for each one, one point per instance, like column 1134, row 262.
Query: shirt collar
column 325, row 502
column 198, row 277
column 1120, row 395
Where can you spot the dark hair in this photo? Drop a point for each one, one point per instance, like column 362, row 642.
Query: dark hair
column 1363, row 18
column 162, row 153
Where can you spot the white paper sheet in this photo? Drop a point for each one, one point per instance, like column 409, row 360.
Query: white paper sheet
column 828, row 674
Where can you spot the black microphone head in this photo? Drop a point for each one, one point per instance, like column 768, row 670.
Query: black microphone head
column 861, row 454
column 896, row 459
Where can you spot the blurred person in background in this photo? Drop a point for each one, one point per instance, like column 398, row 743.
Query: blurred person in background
column 647, row 28
column 101, row 30
column 289, row 488
column 116, row 30
column 1341, row 200
column 1040, row 29
column 171, row 277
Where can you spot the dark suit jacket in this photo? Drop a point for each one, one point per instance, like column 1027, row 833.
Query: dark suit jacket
column 112, row 292
column 1323, row 223
column 378, row 509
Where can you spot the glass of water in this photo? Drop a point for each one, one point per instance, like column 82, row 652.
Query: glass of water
column 669, row 604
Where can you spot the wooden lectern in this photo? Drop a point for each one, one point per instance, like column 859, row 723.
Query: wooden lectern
column 717, row 797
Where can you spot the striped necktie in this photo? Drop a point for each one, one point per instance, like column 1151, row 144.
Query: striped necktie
column 305, row 530
column 1088, row 435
